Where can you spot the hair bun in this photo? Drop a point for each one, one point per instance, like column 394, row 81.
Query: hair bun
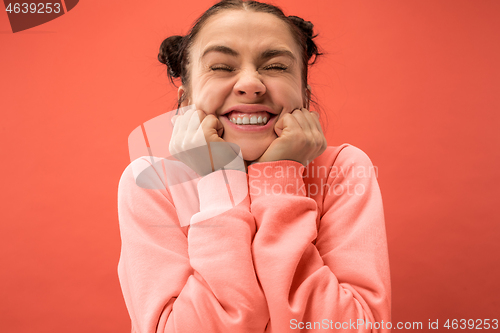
column 169, row 54
column 305, row 26
column 307, row 29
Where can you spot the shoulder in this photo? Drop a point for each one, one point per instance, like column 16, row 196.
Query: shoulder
column 345, row 156
column 337, row 171
column 144, row 172
column 351, row 181
column 155, row 173
column 146, row 177
column 139, row 184
column 153, row 183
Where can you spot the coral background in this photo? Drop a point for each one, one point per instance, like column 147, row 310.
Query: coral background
column 415, row 84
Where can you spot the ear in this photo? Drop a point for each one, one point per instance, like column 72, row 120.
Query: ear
column 180, row 93
column 307, row 97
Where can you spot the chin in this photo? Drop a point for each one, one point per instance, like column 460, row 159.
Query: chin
column 252, row 149
column 252, row 153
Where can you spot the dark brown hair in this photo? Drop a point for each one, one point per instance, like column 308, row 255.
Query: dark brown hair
column 174, row 51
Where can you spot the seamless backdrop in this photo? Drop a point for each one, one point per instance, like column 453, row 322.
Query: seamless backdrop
column 415, row 84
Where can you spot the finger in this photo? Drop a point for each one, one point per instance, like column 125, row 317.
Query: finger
column 303, row 119
column 317, row 122
column 181, row 123
column 314, row 121
column 201, row 115
column 194, row 122
column 287, row 123
column 185, row 119
column 319, row 137
column 212, row 127
column 172, row 120
column 315, row 134
column 313, row 118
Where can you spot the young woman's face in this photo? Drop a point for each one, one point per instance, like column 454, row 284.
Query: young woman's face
column 247, row 62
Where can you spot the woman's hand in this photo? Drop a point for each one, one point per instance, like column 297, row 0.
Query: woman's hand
column 196, row 141
column 300, row 138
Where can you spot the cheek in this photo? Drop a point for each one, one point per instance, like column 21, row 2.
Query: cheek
column 211, row 94
column 287, row 94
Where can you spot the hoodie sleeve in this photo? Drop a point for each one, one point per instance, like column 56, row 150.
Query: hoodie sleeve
column 199, row 278
column 323, row 263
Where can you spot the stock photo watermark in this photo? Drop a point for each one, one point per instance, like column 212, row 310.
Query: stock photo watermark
column 24, row 15
column 453, row 324
column 353, row 184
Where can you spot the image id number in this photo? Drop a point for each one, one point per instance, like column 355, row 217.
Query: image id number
column 39, row 8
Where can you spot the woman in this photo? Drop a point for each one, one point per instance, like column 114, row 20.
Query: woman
column 306, row 248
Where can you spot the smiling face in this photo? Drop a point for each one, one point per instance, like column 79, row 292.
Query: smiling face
column 246, row 65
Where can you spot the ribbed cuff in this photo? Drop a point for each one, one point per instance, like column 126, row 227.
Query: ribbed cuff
column 222, row 190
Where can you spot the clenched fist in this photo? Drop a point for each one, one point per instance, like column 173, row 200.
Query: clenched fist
column 196, row 141
column 300, row 138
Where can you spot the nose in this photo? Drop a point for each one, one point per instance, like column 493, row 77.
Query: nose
column 249, row 85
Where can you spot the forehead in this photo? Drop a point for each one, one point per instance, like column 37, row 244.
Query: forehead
column 245, row 30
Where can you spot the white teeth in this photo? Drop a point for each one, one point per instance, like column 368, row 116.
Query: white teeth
column 253, row 120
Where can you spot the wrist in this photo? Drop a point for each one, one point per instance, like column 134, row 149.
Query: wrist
column 222, row 187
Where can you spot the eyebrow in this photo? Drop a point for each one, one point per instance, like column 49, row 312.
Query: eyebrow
column 267, row 54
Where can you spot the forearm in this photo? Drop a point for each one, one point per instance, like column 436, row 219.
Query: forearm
column 313, row 267
column 176, row 280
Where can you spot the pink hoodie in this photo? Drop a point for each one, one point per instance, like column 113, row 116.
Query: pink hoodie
column 305, row 250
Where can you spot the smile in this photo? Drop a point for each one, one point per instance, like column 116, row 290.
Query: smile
column 254, row 118
column 254, row 122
